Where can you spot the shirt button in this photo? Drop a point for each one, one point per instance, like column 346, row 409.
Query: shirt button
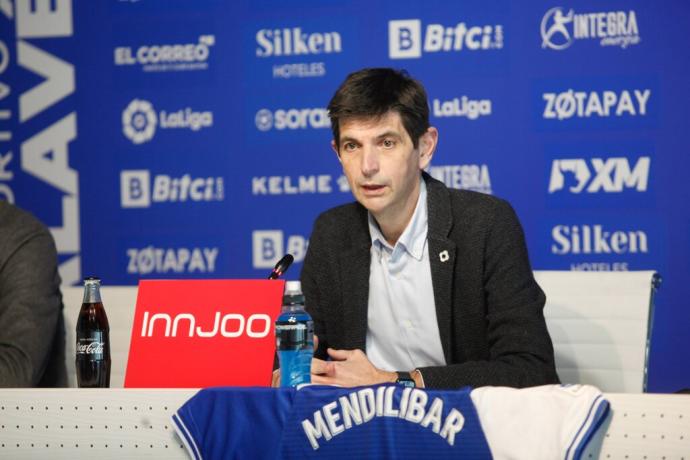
column 408, row 324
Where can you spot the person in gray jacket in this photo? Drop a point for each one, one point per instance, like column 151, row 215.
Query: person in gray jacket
column 32, row 336
column 416, row 283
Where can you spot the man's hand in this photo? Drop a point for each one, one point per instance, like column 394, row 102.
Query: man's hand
column 348, row 368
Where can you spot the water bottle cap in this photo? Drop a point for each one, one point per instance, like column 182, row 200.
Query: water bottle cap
column 293, row 288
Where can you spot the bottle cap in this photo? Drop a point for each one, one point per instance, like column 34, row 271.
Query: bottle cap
column 293, row 288
column 92, row 280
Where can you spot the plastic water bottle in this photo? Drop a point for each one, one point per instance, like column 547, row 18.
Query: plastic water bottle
column 294, row 338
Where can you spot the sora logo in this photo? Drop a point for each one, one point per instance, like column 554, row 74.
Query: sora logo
column 139, row 121
column 264, row 119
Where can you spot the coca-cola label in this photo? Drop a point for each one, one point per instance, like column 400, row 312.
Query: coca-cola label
column 92, row 346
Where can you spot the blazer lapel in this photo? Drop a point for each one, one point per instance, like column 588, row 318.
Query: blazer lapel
column 442, row 256
column 355, row 267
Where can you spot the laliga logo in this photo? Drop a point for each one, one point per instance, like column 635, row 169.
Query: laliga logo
column 555, row 20
column 139, row 121
column 256, row 326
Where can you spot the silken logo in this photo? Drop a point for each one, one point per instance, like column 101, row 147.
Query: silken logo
column 595, row 239
column 294, row 42
column 137, row 190
column 267, row 247
column 406, row 40
column 281, row 119
column 139, row 120
column 612, row 28
column 167, row 57
column 603, row 104
column 229, row 325
column 608, row 175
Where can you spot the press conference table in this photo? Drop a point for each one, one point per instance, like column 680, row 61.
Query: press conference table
column 127, row 423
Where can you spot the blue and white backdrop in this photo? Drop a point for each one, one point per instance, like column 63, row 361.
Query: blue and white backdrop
column 189, row 139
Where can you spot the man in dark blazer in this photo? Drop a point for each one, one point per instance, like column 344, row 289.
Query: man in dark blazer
column 416, row 283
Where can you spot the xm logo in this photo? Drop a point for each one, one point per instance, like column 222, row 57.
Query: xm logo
column 136, row 190
column 613, row 28
column 316, row 118
column 267, row 247
column 139, row 120
column 611, row 175
column 406, row 40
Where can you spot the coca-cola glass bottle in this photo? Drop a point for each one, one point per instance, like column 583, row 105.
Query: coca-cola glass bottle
column 93, row 339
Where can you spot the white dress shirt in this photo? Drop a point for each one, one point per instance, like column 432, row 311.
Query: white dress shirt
column 402, row 332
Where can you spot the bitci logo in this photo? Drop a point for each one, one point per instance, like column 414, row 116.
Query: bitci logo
column 267, row 247
column 137, row 190
column 407, row 39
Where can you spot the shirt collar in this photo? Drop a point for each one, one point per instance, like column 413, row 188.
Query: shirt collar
column 413, row 238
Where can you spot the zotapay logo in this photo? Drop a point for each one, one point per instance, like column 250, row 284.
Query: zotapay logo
column 608, row 175
column 144, row 261
column 602, row 104
column 282, row 119
column 268, row 247
column 280, row 42
column 612, row 28
column 461, row 107
column 163, row 58
column 137, row 190
column 139, row 120
column 407, row 39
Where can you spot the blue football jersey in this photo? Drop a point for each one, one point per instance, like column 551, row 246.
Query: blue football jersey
column 386, row 421
column 391, row 421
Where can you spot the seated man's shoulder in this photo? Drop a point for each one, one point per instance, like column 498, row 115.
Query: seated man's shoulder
column 19, row 225
column 479, row 203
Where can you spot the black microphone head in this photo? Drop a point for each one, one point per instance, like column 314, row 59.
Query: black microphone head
column 284, row 263
column 282, row 266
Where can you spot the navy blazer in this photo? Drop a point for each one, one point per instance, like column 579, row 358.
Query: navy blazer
column 488, row 306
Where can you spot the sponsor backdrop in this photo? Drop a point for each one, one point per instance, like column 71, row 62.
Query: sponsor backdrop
column 190, row 139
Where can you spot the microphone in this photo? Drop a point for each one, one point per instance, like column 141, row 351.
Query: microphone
column 281, row 267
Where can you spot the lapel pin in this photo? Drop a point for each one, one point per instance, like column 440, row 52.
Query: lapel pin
column 444, row 256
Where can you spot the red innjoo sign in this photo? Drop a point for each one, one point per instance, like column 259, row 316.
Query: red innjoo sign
column 201, row 333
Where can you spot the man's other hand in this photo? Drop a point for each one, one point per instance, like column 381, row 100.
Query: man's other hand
column 348, row 368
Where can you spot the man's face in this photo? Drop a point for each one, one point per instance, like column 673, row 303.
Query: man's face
column 382, row 165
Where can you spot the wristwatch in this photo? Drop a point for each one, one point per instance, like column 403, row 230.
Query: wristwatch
column 405, row 379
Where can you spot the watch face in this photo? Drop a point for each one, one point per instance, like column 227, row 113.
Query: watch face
column 406, row 383
column 405, row 379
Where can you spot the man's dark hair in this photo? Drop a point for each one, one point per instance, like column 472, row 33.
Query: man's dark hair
column 371, row 93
